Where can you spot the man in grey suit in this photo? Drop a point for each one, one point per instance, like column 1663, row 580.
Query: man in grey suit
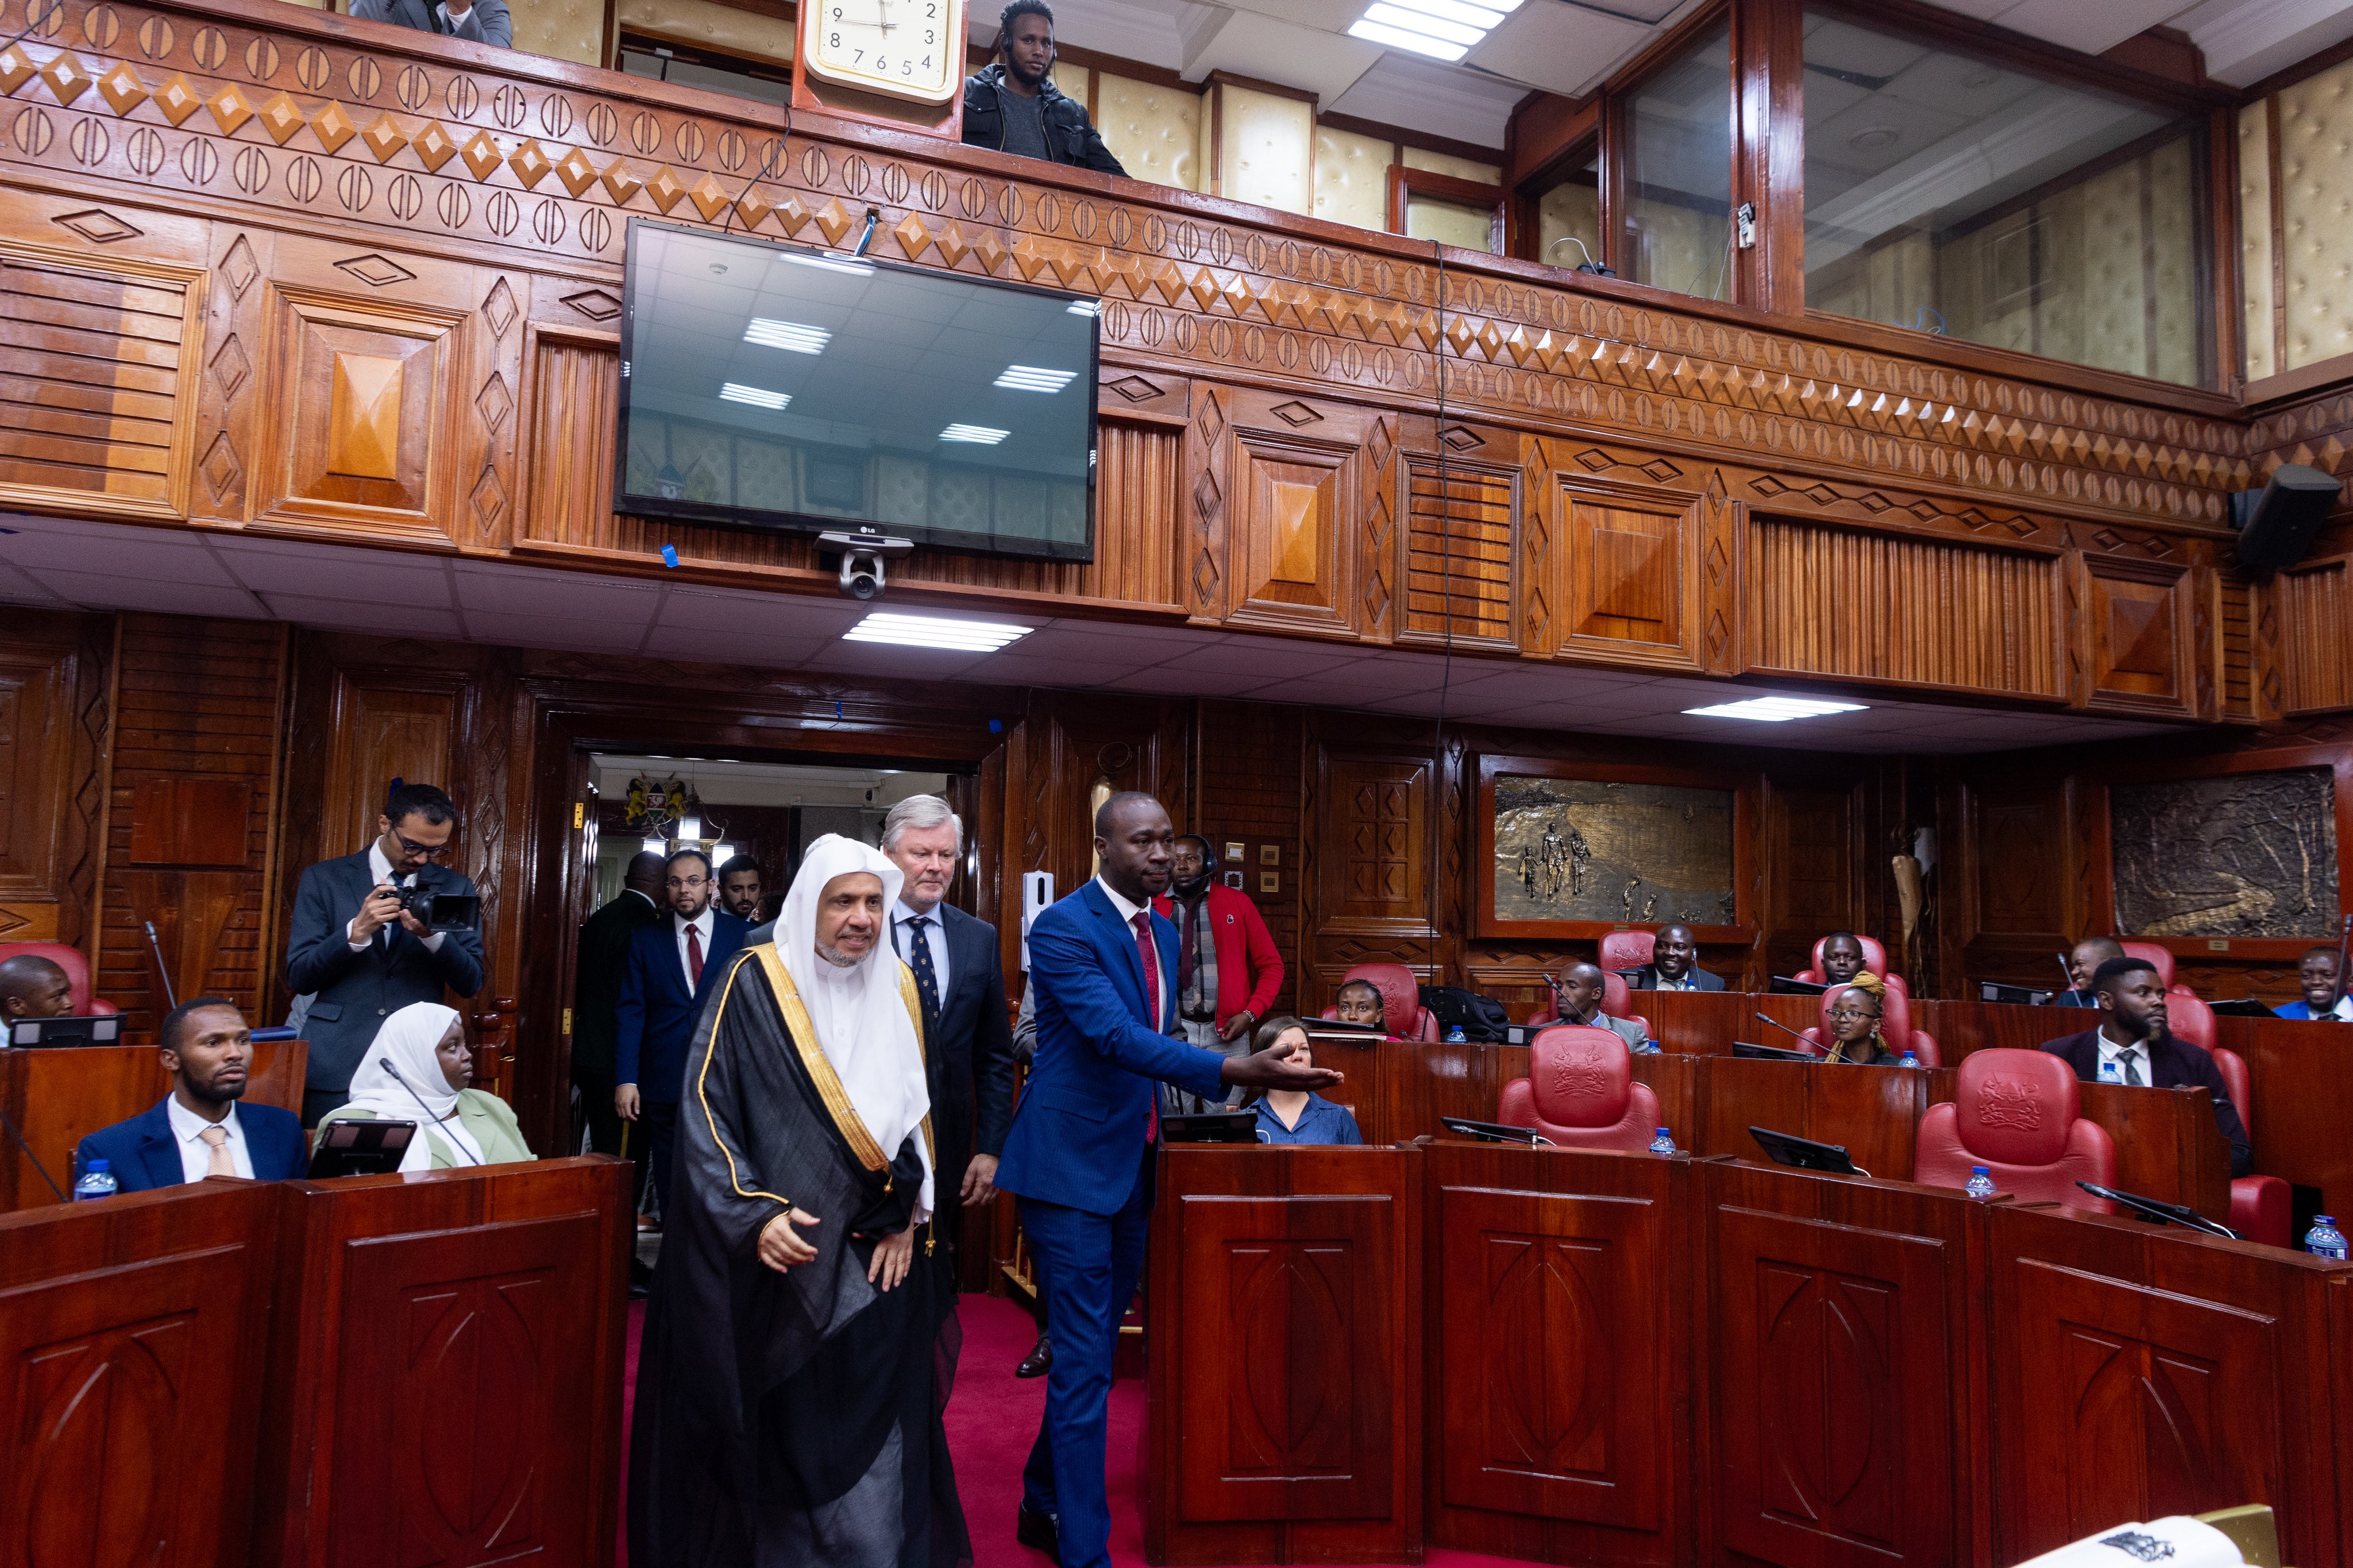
column 484, row 21
column 365, row 956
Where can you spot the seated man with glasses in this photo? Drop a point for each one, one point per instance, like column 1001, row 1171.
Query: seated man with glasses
column 363, row 954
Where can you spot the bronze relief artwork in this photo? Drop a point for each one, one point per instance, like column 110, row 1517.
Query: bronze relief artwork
column 1591, row 849
column 2242, row 855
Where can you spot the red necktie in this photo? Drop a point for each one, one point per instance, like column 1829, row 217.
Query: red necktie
column 693, row 958
column 1150, row 954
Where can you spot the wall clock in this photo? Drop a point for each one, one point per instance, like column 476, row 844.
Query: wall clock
column 910, row 51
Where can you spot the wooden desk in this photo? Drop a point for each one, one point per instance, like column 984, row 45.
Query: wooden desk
column 1284, row 1416
column 2300, row 1075
column 60, row 1097
column 134, row 1331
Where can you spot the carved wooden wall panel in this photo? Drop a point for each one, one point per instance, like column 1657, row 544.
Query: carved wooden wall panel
column 1295, row 520
column 1459, row 546
column 1809, row 842
column 1634, row 576
column 1837, row 601
column 2316, row 651
column 99, row 361
column 387, row 726
column 1552, row 1346
column 36, row 765
column 572, row 400
column 2143, row 648
column 1373, row 828
column 1251, row 760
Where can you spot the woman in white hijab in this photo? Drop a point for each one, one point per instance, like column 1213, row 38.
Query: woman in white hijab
column 800, row 1339
column 424, row 1044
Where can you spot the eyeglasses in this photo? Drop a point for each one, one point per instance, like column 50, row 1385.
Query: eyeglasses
column 423, row 851
column 1848, row 1015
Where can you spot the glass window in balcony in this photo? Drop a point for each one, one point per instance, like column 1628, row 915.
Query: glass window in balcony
column 1957, row 196
column 768, row 82
column 1468, row 224
column 1678, row 134
column 1568, row 212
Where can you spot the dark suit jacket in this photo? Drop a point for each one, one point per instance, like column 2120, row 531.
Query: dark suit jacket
column 654, row 1023
column 356, row 992
column 1647, row 979
column 488, row 22
column 2173, row 1064
column 970, row 1055
column 2074, row 998
column 141, row 1153
column 597, row 987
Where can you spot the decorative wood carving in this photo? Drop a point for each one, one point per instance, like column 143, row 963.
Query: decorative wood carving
column 388, row 726
column 1294, row 515
column 2144, row 648
column 1634, row 576
column 2317, row 653
column 1374, row 861
column 1461, row 539
column 36, row 767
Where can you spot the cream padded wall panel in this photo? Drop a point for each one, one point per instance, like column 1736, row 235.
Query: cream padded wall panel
column 2316, row 215
column 1266, row 149
column 562, row 29
column 1154, row 131
column 2103, row 273
column 2172, row 253
column 1460, row 168
column 1569, row 209
column 1449, row 223
column 1072, row 81
column 721, row 27
column 1351, row 178
column 2256, row 233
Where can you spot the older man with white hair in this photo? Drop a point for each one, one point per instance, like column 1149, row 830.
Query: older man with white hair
column 960, row 978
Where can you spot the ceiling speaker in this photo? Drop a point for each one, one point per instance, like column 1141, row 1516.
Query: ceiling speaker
column 2276, row 524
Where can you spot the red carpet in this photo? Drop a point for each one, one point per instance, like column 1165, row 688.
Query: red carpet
column 992, row 1420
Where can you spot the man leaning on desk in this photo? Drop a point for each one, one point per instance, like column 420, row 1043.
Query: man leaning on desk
column 2132, row 1045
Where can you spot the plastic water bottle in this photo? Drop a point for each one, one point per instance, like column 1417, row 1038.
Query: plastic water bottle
column 1908, row 1059
column 2323, row 1239
column 1980, row 1182
column 2108, row 1073
column 1664, row 1144
column 98, row 1182
column 1455, row 1036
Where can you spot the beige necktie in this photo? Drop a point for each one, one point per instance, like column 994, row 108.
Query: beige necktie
column 217, row 1139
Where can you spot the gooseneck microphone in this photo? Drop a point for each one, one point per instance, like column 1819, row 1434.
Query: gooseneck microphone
column 17, row 1133
column 430, row 1120
column 1837, row 1052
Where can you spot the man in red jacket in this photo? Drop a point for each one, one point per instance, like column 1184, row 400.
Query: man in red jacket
column 1227, row 972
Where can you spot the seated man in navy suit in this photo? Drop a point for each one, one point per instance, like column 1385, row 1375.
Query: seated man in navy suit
column 2132, row 1045
column 671, row 967
column 1080, row 1155
column 1674, row 964
column 361, row 954
column 200, row 1130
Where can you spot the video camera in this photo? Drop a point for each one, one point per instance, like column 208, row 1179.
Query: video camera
column 440, row 911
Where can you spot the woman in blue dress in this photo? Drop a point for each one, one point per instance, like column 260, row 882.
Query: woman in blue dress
column 1299, row 1116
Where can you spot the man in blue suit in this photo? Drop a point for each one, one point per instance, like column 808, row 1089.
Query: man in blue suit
column 364, row 957
column 673, row 966
column 1080, row 1155
column 200, row 1130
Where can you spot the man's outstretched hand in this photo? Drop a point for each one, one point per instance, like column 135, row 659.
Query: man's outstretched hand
column 1273, row 1068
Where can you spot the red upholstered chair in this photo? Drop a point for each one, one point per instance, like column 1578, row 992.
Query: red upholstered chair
column 2259, row 1205
column 1626, row 950
column 1401, row 1010
column 1874, row 959
column 1580, row 1092
column 2014, row 1112
column 69, row 959
column 2163, row 958
column 1894, row 1027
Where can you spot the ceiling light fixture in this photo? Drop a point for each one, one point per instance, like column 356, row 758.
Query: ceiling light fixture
column 757, row 396
column 935, row 631
column 975, row 434
column 1442, row 29
column 1776, row 710
column 791, row 335
column 1032, row 378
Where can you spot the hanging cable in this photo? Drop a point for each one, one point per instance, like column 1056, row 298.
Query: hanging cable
column 1437, row 779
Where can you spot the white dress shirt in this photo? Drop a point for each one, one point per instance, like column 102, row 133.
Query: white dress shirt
column 1660, row 982
column 699, row 925
column 1127, row 913
column 196, row 1154
column 2111, row 1069
column 381, row 869
column 935, row 933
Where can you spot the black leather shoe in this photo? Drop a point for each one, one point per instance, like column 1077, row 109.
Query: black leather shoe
column 1041, row 1531
column 1039, row 1362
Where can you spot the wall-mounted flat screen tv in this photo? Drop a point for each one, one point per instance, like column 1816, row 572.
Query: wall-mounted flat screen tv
column 775, row 386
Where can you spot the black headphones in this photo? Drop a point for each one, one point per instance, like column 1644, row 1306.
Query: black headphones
column 1210, row 862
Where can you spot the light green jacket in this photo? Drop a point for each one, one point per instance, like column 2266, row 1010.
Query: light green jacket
column 483, row 1114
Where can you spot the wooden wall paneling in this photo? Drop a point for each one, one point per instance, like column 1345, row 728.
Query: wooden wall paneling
column 389, row 724
column 49, row 760
column 2012, row 880
column 1286, row 1447
column 2139, row 1378
column 1209, row 502
column 1635, row 583
column 1812, row 872
column 199, row 700
column 101, row 359
column 2300, row 1081
column 1249, row 761
column 1557, row 1355
column 2142, row 637
column 1365, row 866
column 571, row 399
column 2315, row 614
column 446, row 1365
column 132, row 1330
column 1293, row 511
column 1458, row 550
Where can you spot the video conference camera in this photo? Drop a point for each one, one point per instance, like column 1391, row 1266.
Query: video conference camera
column 862, row 555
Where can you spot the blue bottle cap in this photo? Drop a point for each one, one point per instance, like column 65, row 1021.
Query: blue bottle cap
column 1980, row 1170
column 94, row 1167
column 1663, row 1133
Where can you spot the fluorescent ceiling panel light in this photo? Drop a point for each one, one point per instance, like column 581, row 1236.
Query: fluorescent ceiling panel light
column 855, row 269
column 757, row 396
column 935, row 631
column 1776, row 710
column 977, row 435
column 1476, row 14
column 791, row 335
column 1032, row 378
column 1399, row 39
column 1417, row 22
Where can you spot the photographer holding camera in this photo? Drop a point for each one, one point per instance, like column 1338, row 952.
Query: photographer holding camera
column 376, row 931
